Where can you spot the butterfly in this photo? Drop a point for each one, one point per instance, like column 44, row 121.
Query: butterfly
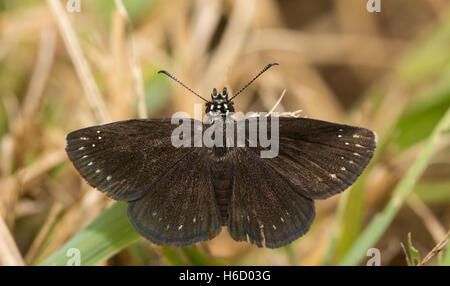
column 178, row 196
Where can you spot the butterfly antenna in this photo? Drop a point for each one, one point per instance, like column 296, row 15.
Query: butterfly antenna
column 175, row 79
column 250, row 82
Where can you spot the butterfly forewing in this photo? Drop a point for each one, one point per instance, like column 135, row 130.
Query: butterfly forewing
column 321, row 158
column 123, row 159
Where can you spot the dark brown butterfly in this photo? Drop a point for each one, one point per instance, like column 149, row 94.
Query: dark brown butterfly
column 182, row 195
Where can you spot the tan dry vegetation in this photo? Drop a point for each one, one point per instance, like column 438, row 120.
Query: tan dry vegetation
column 63, row 71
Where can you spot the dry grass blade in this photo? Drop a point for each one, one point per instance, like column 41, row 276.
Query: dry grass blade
column 384, row 71
column 41, row 166
column 439, row 247
column 14, row 184
column 277, row 103
column 41, row 72
column 9, row 253
column 84, row 72
column 232, row 40
column 136, row 70
column 431, row 222
column 326, row 48
column 43, row 232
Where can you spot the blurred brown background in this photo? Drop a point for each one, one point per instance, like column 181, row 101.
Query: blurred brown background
column 61, row 71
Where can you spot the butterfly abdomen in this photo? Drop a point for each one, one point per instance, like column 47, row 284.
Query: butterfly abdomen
column 221, row 173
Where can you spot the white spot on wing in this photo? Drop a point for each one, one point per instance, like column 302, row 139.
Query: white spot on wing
column 343, row 169
column 356, row 136
column 108, row 178
column 81, row 148
column 180, row 227
column 90, row 163
column 274, row 227
column 84, row 138
column 333, row 176
column 93, row 145
column 98, row 171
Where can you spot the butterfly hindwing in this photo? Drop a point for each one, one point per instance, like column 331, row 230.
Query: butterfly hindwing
column 181, row 208
column 264, row 208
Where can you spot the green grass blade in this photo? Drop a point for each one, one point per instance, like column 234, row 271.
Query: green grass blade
column 422, row 114
column 414, row 254
column 104, row 237
column 446, row 259
column 195, row 257
column 337, row 219
column 173, row 256
column 290, row 255
column 380, row 223
column 351, row 223
column 434, row 192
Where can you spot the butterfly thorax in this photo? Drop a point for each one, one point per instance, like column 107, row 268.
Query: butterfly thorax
column 221, row 108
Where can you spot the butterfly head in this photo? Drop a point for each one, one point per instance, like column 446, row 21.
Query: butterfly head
column 219, row 104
